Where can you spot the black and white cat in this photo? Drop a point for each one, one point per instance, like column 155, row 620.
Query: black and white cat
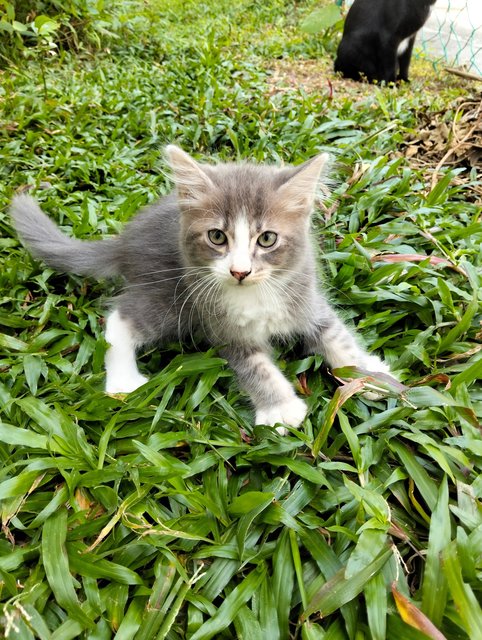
column 229, row 257
column 378, row 38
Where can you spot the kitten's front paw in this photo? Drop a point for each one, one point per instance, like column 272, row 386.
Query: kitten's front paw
column 124, row 383
column 374, row 364
column 292, row 413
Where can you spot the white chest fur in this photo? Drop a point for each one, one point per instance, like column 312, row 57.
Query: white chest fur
column 403, row 46
column 259, row 312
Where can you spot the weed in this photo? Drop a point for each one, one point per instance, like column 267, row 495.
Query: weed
column 166, row 514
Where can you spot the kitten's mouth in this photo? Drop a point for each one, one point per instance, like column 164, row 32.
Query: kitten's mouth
column 247, row 283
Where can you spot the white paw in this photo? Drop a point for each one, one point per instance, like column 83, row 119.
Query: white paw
column 290, row 412
column 374, row 364
column 125, row 383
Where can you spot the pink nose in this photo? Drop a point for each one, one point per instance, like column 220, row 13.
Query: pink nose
column 240, row 275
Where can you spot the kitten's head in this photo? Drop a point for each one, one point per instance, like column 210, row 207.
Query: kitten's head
column 243, row 221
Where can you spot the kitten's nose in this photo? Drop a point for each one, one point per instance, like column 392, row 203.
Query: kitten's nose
column 240, row 275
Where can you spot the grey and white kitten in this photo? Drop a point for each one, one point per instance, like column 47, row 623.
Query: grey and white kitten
column 228, row 256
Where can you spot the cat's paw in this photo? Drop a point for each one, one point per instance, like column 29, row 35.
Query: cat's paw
column 291, row 412
column 374, row 364
column 124, row 383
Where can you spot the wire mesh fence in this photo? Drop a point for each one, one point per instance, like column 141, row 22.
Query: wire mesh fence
column 452, row 34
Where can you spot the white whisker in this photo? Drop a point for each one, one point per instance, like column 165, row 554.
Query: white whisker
column 202, row 293
column 193, row 289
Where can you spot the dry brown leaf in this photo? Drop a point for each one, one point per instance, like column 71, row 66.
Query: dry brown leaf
column 412, row 616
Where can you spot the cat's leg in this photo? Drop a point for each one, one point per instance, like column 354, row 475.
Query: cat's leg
column 122, row 374
column 387, row 59
column 330, row 336
column 274, row 398
column 139, row 318
column 404, row 57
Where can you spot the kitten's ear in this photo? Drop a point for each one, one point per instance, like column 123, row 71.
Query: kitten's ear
column 190, row 178
column 300, row 186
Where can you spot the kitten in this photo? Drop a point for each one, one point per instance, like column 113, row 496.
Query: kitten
column 227, row 257
column 378, row 38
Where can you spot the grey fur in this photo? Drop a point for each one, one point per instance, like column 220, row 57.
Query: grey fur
column 46, row 241
column 173, row 287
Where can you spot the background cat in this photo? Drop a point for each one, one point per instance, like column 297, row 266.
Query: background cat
column 378, row 38
column 228, row 258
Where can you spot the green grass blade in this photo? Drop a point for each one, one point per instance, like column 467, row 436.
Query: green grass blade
column 247, row 626
column 267, row 610
column 468, row 375
column 18, row 486
column 468, row 606
column 15, row 435
column 171, row 612
column 132, row 620
column 89, row 564
column 375, row 592
column 57, row 570
column 461, row 327
column 283, row 581
column 312, row 631
column 231, row 605
column 165, row 588
column 115, row 597
column 339, row 590
column 435, row 585
column 416, row 471
column 295, row 552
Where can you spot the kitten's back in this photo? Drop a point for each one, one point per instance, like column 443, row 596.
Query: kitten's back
column 149, row 243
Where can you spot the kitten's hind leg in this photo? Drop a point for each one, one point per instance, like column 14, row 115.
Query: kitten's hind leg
column 122, row 374
column 274, row 399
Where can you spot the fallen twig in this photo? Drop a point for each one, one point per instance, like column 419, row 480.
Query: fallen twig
column 464, row 74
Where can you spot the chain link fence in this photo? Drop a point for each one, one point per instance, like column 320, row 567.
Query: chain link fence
column 452, row 35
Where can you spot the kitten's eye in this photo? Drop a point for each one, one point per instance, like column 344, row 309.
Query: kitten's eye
column 217, row 236
column 267, row 239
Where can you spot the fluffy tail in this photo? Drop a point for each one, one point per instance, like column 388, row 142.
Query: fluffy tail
column 45, row 240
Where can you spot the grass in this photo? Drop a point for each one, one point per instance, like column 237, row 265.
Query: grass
column 166, row 514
